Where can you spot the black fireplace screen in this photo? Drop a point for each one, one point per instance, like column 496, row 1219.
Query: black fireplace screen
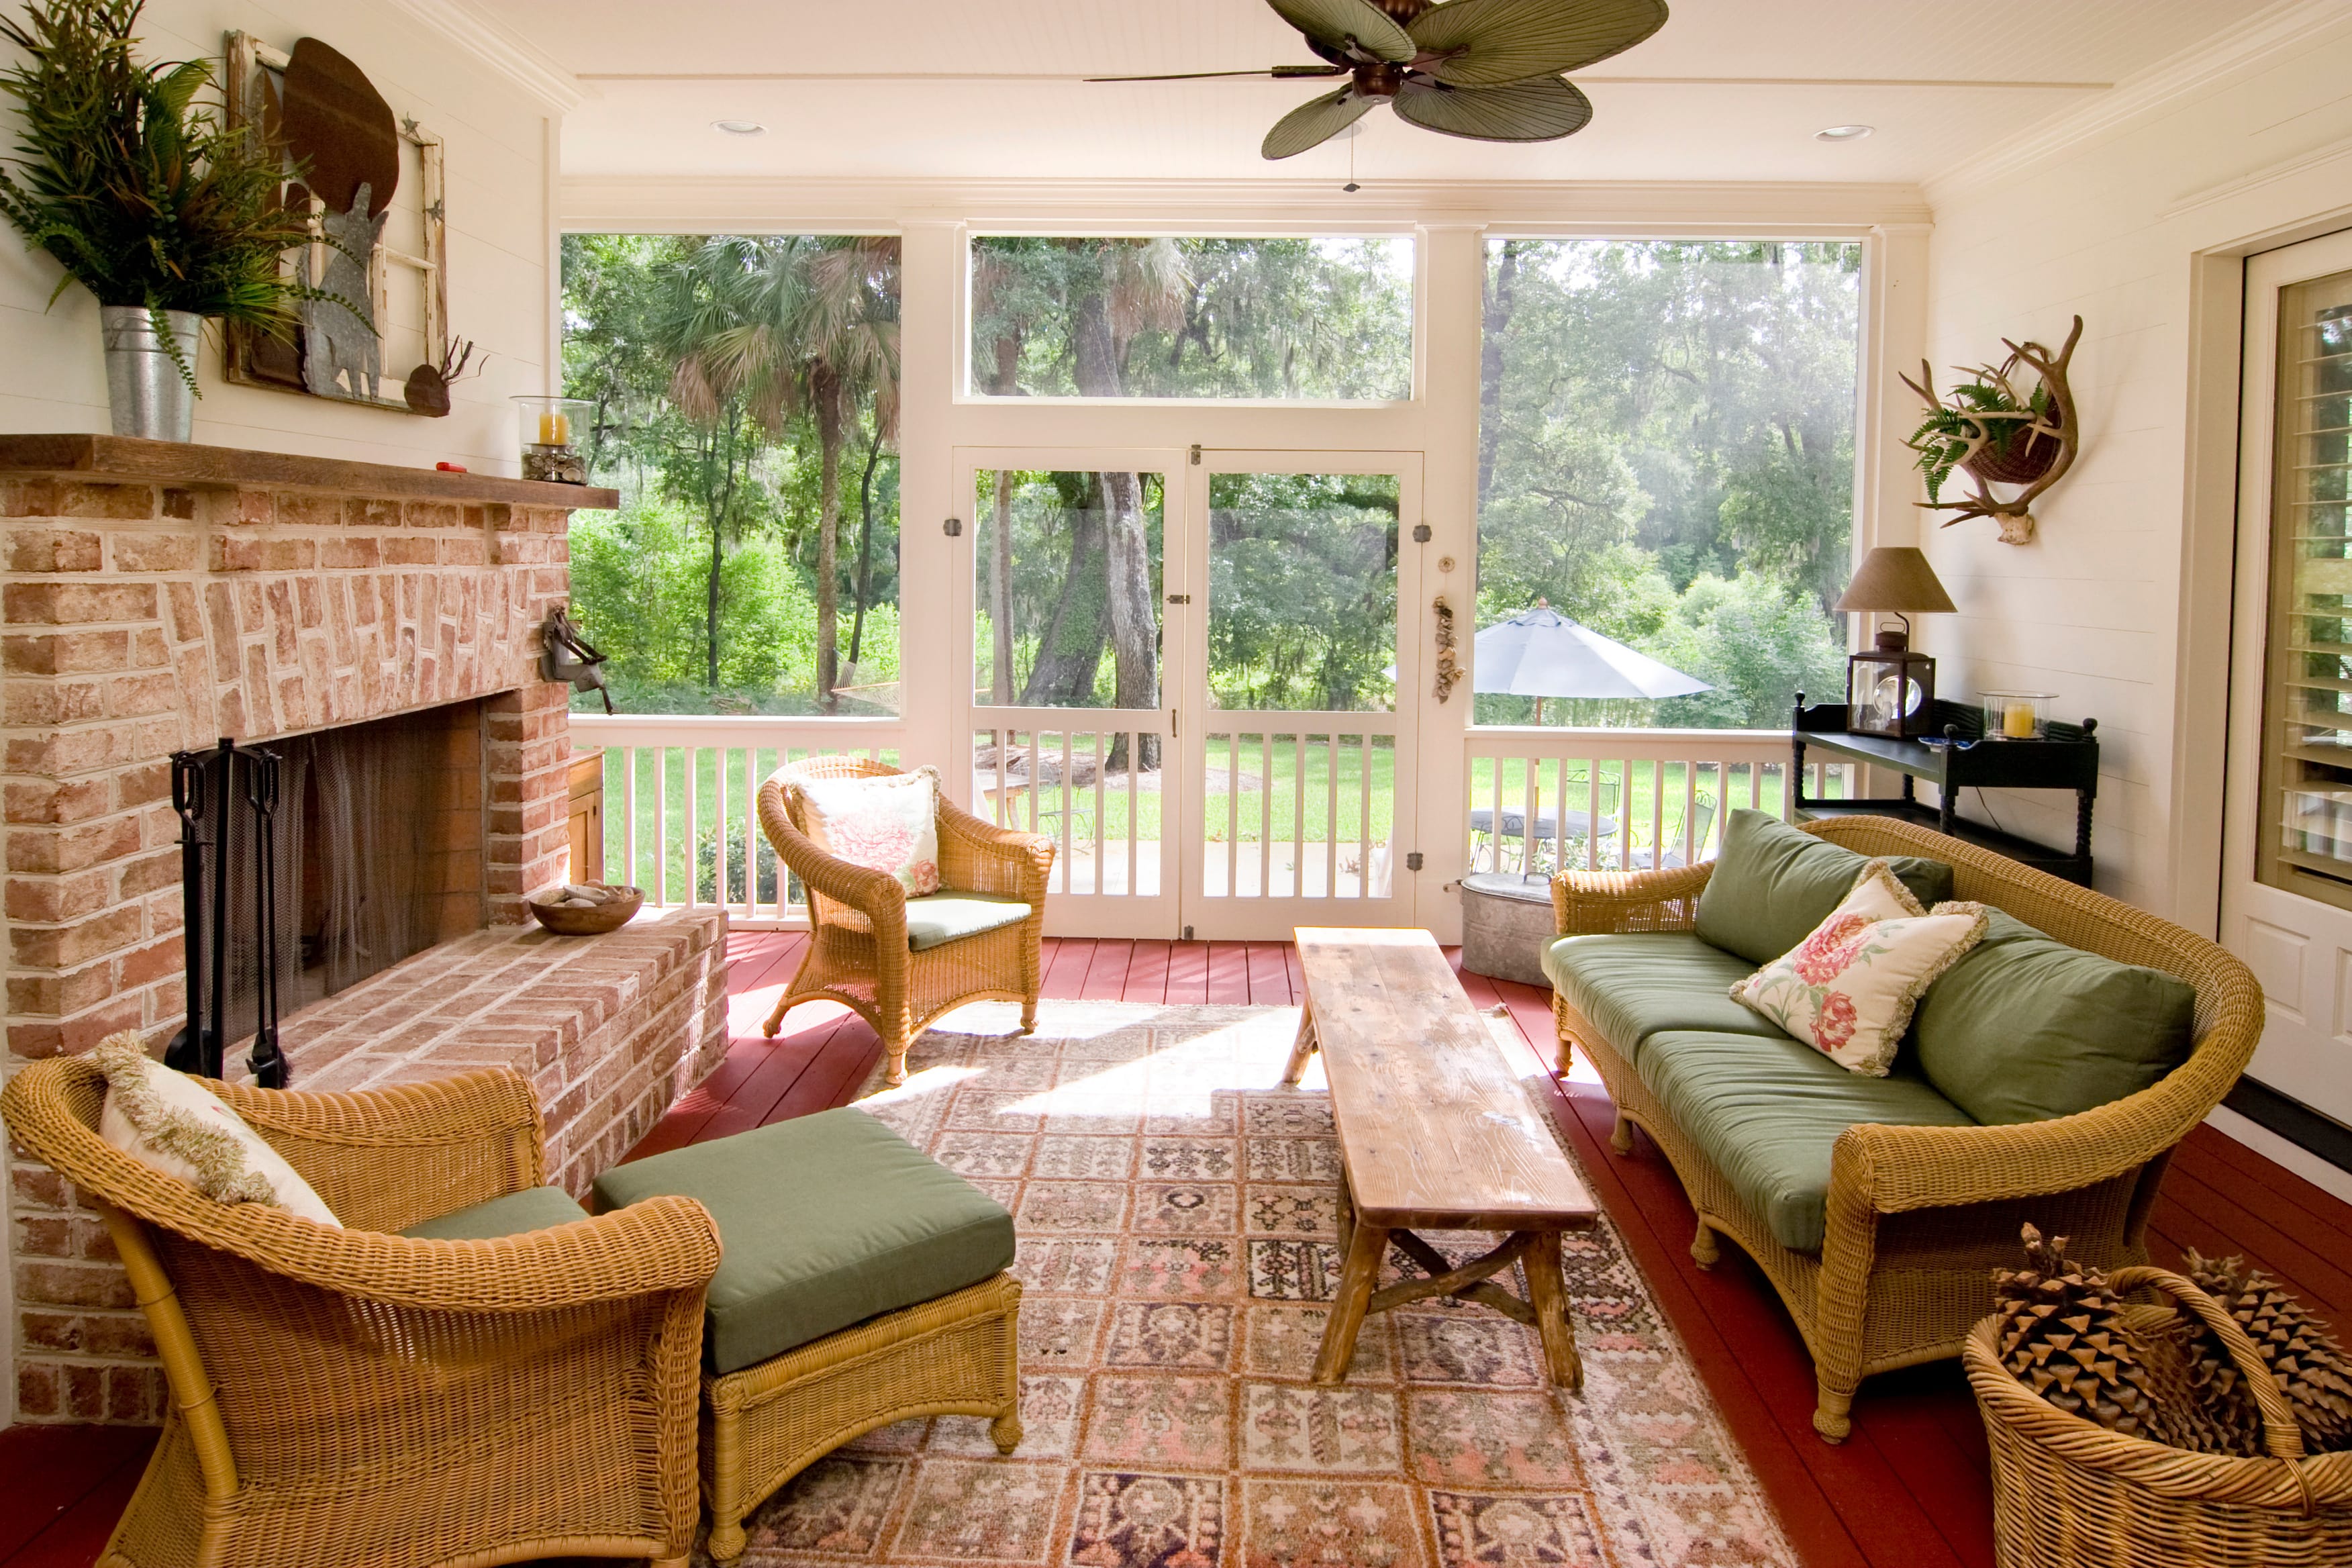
column 328, row 876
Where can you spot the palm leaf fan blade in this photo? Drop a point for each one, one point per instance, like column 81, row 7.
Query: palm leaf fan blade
column 1332, row 23
column 1542, row 110
column 1491, row 42
column 1314, row 122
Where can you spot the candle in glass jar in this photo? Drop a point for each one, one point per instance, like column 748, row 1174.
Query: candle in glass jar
column 555, row 430
column 2017, row 722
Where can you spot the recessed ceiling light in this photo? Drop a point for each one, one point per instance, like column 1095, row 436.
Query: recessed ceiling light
column 1843, row 132
column 740, row 127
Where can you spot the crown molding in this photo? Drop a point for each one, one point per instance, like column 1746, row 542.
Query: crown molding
column 503, row 49
column 2280, row 31
column 1664, row 208
column 2317, row 158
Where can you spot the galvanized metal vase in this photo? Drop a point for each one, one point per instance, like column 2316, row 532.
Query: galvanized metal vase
column 148, row 396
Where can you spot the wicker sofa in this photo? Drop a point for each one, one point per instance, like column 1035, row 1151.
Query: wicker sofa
column 1916, row 1216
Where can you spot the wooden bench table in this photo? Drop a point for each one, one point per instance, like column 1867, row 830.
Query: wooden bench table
column 1435, row 1134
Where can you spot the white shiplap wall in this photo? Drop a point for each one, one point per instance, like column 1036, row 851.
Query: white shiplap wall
column 2117, row 216
column 501, row 142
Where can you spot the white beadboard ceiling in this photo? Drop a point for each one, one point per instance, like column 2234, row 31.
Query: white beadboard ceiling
column 1729, row 90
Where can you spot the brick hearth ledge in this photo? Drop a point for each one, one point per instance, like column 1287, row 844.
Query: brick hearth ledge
column 160, row 596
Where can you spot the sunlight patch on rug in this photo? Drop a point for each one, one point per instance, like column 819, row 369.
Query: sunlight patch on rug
column 1176, row 1211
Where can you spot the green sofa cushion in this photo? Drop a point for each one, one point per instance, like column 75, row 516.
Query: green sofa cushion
column 2025, row 1027
column 1768, row 1111
column 824, row 1221
column 534, row 1208
column 1637, row 985
column 1774, row 883
column 944, row 916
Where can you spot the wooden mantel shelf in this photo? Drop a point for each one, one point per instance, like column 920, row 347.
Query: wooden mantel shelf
column 127, row 459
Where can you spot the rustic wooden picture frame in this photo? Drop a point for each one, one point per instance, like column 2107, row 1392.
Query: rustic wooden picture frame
column 248, row 358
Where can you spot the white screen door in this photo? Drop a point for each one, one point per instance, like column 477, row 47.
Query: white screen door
column 2287, row 899
column 1065, row 577
column 1187, row 672
column 1297, row 725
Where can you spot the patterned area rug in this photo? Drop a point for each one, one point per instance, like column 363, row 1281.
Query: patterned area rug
column 1176, row 1208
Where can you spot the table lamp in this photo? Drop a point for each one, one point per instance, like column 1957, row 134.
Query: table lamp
column 1890, row 689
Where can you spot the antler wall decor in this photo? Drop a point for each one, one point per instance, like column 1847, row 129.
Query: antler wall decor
column 2000, row 434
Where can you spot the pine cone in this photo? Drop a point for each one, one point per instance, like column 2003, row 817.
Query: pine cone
column 2310, row 1367
column 2214, row 1411
column 2063, row 1336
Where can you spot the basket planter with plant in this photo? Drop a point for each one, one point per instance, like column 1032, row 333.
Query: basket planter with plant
column 146, row 197
column 1999, row 433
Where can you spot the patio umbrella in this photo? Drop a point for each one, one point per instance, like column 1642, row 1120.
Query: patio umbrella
column 1541, row 653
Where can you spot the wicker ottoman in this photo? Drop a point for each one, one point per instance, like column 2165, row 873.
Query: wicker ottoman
column 861, row 1283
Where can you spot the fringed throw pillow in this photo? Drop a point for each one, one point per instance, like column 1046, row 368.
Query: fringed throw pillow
column 1848, row 990
column 168, row 1121
column 887, row 823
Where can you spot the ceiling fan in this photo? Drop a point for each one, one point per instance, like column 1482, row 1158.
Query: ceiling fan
column 1485, row 70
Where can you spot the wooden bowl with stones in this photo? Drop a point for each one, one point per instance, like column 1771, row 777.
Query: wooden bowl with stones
column 587, row 909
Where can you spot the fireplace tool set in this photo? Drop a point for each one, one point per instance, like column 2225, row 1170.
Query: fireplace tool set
column 227, row 804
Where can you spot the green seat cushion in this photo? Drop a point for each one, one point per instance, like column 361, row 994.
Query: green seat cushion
column 824, row 1221
column 2025, row 1027
column 1768, row 1111
column 946, row 915
column 534, row 1208
column 1774, row 883
column 1641, row 984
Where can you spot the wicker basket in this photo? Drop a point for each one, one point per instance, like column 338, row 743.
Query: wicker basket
column 2067, row 1493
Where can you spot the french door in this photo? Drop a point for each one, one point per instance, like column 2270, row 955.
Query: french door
column 2286, row 901
column 1185, row 667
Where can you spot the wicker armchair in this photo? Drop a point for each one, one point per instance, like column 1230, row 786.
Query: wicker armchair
column 356, row 1397
column 857, row 953
column 1919, row 1217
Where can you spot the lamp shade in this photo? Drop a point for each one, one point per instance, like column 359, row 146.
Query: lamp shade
column 1897, row 577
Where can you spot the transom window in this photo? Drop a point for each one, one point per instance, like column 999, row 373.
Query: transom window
column 1325, row 319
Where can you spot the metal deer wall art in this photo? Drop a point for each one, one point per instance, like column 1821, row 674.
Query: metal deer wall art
column 373, row 181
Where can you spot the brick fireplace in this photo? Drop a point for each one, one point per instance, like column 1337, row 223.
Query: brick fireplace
column 159, row 596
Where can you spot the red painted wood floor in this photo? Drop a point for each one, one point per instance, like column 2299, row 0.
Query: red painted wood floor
column 1908, row 1489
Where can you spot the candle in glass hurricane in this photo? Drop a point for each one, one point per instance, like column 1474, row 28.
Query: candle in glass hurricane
column 2016, row 715
column 551, row 455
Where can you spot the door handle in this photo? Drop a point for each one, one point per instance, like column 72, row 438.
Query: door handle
column 1180, row 598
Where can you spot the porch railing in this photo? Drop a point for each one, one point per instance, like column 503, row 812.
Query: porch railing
column 681, row 802
column 681, row 818
column 1622, row 799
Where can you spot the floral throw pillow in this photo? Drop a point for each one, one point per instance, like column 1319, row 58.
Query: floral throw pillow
column 888, row 823
column 1848, row 990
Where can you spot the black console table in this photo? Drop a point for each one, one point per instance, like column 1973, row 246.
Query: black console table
column 2066, row 757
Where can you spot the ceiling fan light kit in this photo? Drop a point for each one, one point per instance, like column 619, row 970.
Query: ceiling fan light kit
column 1487, row 70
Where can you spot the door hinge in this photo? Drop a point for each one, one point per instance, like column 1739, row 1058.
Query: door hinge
column 952, row 527
column 1180, row 598
column 1412, row 861
column 1421, row 533
column 1196, row 453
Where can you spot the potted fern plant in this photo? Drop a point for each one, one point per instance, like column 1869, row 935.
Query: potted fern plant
column 147, row 198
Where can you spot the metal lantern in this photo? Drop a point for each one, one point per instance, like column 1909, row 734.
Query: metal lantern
column 1890, row 690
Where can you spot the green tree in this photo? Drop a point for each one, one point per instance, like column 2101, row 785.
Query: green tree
column 1756, row 641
